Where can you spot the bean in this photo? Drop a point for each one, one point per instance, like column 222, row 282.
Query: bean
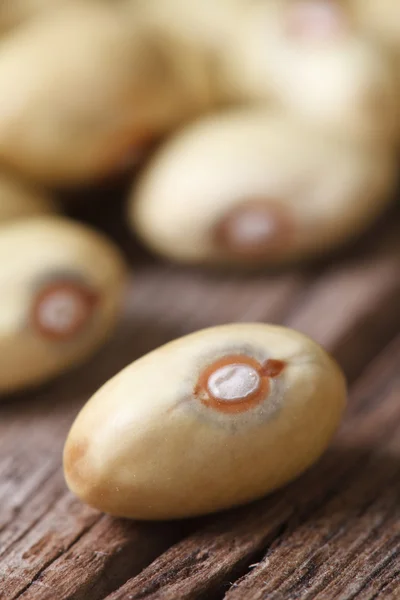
column 209, row 421
column 255, row 187
column 79, row 108
column 61, row 287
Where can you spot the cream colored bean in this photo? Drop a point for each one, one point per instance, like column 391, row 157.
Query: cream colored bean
column 20, row 200
column 309, row 57
column 61, row 288
column 254, row 187
column 84, row 91
column 209, row 421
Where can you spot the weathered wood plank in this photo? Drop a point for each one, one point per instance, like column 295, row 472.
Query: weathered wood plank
column 32, row 435
column 105, row 555
column 341, row 496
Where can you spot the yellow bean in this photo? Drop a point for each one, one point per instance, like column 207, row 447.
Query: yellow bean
column 255, row 187
column 209, row 421
column 84, row 92
column 61, row 288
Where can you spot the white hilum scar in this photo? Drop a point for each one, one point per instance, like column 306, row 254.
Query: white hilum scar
column 233, row 382
column 60, row 311
column 252, row 228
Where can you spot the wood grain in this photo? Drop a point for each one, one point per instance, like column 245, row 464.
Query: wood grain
column 332, row 534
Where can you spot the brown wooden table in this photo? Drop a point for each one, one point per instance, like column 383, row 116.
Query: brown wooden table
column 332, row 534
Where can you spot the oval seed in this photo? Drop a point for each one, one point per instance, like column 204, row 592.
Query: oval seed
column 254, row 187
column 61, row 287
column 85, row 113
column 209, row 421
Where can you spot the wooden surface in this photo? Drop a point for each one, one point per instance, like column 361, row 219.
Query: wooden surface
column 332, row 534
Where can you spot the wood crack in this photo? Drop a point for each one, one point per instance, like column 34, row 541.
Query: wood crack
column 45, row 566
column 40, row 516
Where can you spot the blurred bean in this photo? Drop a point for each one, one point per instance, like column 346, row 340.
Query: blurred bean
column 60, row 295
column 84, row 91
column 254, row 187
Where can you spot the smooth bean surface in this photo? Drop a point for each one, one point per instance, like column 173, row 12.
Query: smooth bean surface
column 76, row 108
column 61, row 287
column 254, row 187
column 212, row 420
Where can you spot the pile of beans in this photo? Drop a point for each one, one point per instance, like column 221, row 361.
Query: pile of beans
column 274, row 128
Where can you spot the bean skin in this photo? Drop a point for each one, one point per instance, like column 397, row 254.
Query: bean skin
column 61, row 287
column 254, row 187
column 212, row 420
